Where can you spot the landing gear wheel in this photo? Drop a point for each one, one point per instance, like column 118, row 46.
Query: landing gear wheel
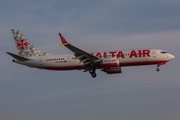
column 157, row 69
column 93, row 74
column 91, row 70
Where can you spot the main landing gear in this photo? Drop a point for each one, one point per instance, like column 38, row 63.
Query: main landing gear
column 92, row 71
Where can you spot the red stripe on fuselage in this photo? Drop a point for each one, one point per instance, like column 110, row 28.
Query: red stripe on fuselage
column 101, row 67
column 140, row 63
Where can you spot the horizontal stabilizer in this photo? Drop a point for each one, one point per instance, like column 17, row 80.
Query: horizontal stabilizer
column 20, row 58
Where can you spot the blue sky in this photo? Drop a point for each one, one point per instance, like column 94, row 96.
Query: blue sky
column 138, row 93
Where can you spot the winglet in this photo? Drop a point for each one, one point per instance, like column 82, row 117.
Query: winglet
column 64, row 42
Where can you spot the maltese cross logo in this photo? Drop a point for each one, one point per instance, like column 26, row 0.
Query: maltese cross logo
column 22, row 44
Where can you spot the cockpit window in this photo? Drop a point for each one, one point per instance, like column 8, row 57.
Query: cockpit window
column 163, row 52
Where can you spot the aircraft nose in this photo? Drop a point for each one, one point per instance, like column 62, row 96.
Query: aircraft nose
column 171, row 57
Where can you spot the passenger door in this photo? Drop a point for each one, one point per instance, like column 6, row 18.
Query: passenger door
column 40, row 61
column 154, row 53
column 68, row 59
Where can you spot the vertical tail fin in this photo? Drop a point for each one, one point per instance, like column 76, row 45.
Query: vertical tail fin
column 24, row 47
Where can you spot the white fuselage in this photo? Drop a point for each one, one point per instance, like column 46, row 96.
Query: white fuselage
column 126, row 58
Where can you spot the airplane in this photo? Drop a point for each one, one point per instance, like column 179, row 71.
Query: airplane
column 110, row 62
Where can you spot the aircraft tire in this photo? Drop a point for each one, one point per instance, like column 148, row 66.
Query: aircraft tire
column 93, row 75
column 157, row 69
column 92, row 70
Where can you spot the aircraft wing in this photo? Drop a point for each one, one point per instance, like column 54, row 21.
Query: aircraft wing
column 20, row 58
column 84, row 57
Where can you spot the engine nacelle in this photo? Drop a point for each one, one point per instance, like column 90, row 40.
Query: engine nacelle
column 110, row 62
column 113, row 70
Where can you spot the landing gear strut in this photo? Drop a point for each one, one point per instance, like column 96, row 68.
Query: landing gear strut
column 92, row 72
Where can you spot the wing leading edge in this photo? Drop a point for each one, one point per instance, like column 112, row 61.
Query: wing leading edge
column 84, row 57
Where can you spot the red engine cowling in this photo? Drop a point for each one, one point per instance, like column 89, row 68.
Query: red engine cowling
column 110, row 62
column 113, row 70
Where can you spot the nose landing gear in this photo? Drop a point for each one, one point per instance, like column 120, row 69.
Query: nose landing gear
column 157, row 69
column 158, row 65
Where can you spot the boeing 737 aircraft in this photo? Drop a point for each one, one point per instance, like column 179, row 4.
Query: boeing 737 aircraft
column 110, row 62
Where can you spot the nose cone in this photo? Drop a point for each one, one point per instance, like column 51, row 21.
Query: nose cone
column 171, row 56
